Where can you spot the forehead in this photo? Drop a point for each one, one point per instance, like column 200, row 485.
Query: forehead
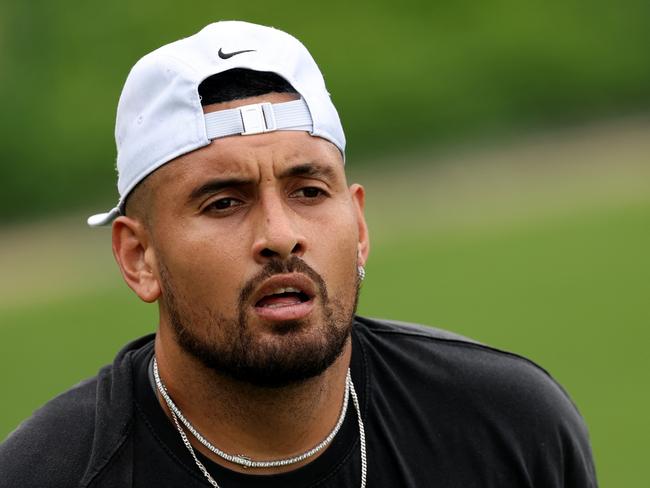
column 262, row 155
column 255, row 159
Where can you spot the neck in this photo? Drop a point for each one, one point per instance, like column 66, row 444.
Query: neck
column 239, row 418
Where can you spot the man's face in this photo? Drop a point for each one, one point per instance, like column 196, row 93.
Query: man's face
column 256, row 241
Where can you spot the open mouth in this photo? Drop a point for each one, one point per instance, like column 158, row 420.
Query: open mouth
column 283, row 297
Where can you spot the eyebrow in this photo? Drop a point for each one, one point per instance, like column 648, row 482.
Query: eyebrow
column 313, row 170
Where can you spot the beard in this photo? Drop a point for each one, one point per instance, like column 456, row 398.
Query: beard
column 299, row 350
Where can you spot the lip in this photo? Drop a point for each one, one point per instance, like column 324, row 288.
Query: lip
column 288, row 312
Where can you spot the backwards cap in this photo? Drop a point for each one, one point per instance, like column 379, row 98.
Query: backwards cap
column 160, row 117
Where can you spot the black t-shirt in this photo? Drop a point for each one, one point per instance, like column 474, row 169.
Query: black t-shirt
column 162, row 460
column 438, row 410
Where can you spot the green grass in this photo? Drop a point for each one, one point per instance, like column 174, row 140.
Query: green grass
column 570, row 292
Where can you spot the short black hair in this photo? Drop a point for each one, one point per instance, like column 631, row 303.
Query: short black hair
column 239, row 83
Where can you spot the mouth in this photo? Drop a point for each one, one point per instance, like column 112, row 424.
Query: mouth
column 285, row 297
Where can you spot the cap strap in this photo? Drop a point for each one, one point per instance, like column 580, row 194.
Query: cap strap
column 258, row 118
column 104, row 218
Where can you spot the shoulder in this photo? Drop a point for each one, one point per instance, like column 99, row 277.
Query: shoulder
column 499, row 386
column 484, row 399
column 384, row 327
column 52, row 447
column 432, row 349
column 73, row 437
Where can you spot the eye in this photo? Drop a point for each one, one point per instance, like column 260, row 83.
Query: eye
column 309, row 192
column 223, row 204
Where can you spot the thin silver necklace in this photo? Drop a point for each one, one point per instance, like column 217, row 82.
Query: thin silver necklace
column 244, row 460
column 249, row 463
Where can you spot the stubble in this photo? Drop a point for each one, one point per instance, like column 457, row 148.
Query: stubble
column 230, row 346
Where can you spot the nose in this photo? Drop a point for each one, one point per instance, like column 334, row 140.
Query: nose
column 277, row 233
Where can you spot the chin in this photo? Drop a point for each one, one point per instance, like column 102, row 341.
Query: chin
column 281, row 354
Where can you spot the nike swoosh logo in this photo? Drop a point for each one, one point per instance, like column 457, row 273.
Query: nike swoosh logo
column 223, row 55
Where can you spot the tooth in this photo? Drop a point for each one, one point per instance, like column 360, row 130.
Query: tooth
column 278, row 291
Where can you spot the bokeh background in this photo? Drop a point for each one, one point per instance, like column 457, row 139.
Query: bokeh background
column 505, row 147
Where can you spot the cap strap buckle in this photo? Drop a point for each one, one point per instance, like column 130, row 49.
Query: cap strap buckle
column 257, row 118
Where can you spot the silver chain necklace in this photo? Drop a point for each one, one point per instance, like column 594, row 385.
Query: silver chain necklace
column 244, row 460
column 249, row 463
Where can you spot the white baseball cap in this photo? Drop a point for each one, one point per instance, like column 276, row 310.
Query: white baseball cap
column 160, row 117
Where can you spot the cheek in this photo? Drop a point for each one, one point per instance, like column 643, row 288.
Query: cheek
column 345, row 234
column 335, row 250
column 204, row 269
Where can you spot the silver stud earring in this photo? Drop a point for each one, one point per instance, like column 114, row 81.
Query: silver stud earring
column 361, row 271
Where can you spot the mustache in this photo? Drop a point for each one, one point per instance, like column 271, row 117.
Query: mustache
column 279, row 266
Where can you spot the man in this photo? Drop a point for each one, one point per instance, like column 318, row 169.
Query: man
column 236, row 217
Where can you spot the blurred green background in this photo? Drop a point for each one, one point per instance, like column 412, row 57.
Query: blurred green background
column 505, row 147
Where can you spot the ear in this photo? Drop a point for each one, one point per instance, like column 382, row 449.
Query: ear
column 358, row 196
column 136, row 258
